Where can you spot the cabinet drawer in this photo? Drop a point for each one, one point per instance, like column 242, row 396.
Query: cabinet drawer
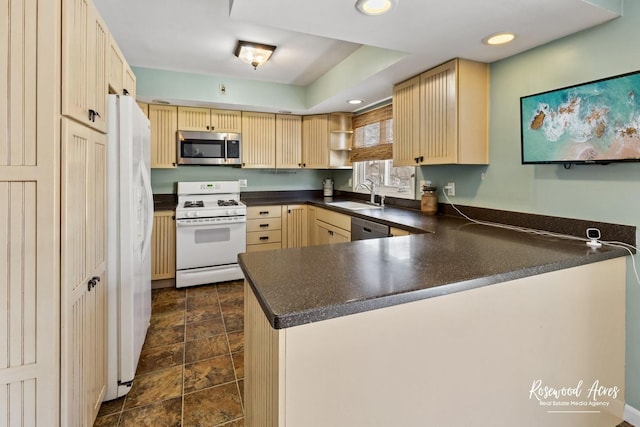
column 263, row 247
column 254, row 212
column 339, row 220
column 264, row 224
column 258, row 237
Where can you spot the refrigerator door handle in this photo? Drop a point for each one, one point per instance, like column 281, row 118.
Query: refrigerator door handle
column 146, row 180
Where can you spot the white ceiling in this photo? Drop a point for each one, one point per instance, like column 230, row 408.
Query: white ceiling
column 312, row 37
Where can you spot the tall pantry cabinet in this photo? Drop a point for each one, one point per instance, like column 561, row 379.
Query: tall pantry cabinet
column 54, row 61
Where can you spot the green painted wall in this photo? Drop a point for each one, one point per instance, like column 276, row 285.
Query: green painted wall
column 163, row 181
column 603, row 193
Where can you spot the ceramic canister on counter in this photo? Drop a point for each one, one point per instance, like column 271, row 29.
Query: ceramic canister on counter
column 429, row 201
column 327, row 187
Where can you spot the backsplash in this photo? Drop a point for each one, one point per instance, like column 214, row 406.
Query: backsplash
column 163, row 181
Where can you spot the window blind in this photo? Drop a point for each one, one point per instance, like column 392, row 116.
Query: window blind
column 373, row 135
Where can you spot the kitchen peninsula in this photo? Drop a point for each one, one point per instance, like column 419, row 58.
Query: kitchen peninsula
column 453, row 327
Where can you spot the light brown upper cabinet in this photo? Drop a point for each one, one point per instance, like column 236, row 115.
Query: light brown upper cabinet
column 288, row 141
column 164, row 125
column 120, row 77
column 451, row 123
column 209, row 120
column 258, row 140
column 85, row 41
column 326, row 141
column 116, row 65
column 129, row 82
column 315, row 141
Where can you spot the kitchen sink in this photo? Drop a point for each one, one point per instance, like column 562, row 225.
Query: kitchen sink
column 354, row 205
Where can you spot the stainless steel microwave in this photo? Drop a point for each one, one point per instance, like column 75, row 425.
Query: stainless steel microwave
column 209, row 148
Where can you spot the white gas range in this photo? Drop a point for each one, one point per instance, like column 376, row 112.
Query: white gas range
column 210, row 232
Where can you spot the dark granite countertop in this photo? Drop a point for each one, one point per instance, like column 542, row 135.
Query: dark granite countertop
column 302, row 285
column 165, row 202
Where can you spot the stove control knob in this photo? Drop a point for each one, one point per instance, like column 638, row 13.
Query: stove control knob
column 192, row 214
column 231, row 212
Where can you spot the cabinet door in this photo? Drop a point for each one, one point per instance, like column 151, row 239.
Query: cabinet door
column 288, row 141
column 164, row 125
column 226, row 121
column 163, row 246
column 85, row 41
column 311, row 226
column 258, row 140
column 98, row 90
column 322, row 233
column 315, row 141
column 438, row 122
column 75, row 61
column 194, row 118
column 328, row 234
column 83, row 291
column 116, row 65
column 129, row 82
column 295, row 228
column 406, row 123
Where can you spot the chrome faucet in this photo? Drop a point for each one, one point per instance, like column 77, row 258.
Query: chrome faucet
column 371, row 187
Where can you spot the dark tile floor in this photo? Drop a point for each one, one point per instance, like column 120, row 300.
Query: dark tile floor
column 191, row 368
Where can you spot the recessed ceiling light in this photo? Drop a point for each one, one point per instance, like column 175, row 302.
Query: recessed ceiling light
column 375, row 7
column 355, row 101
column 499, row 38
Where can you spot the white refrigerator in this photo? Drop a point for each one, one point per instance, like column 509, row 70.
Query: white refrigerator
column 129, row 226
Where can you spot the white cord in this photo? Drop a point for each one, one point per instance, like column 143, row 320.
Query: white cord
column 616, row 244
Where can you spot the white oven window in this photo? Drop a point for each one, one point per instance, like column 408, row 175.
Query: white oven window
column 212, row 235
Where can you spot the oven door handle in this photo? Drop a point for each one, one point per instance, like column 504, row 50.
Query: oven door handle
column 180, row 223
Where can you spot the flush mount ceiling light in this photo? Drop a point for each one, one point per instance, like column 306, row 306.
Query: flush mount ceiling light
column 375, row 7
column 254, row 54
column 499, row 38
column 355, row 101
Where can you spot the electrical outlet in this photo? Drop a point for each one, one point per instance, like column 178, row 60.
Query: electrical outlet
column 350, row 184
column 243, row 183
column 451, row 189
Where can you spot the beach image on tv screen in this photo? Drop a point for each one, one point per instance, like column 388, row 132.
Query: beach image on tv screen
column 593, row 122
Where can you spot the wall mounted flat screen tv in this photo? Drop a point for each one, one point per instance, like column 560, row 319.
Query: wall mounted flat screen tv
column 594, row 122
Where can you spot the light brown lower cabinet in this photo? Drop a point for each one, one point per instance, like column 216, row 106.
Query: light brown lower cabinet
column 264, row 228
column 331, row 227
column 83, row 305
column 295, row 232
column 163, row 245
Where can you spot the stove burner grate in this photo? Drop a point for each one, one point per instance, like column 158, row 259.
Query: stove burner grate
column 194, row 204
column 228, row 203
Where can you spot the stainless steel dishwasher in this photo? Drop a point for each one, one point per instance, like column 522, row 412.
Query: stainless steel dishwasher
column 361, row 229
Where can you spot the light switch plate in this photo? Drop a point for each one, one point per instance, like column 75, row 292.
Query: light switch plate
column 243, row 183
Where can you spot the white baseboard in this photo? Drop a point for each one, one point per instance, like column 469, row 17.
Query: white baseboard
column 631, row 415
